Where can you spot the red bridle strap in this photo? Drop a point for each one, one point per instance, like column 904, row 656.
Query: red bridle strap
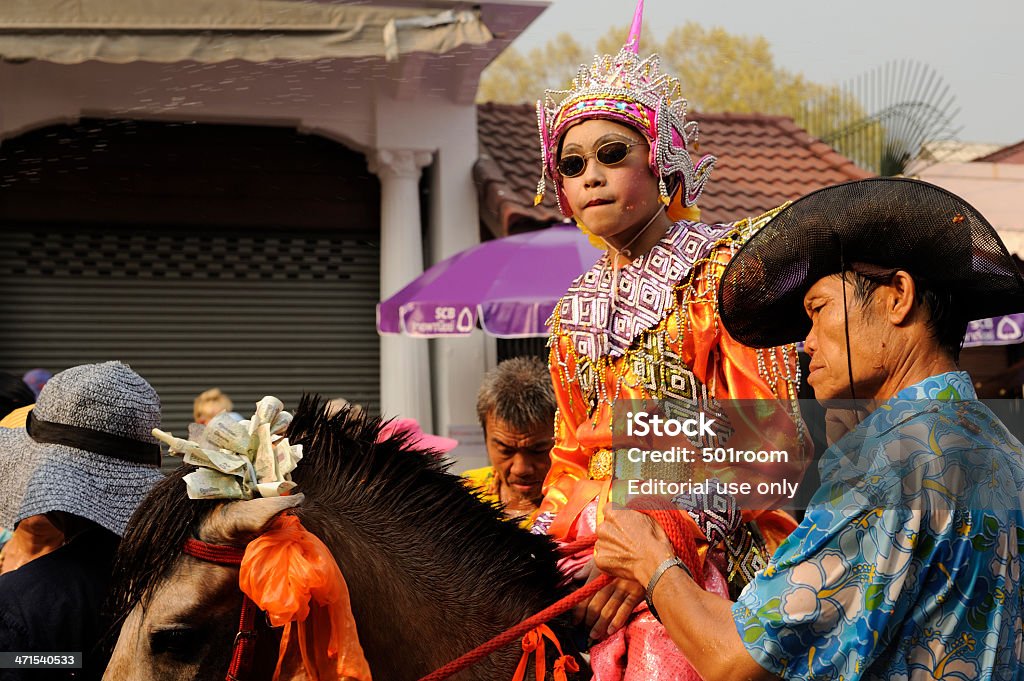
column 245, row 639
column 214, row 553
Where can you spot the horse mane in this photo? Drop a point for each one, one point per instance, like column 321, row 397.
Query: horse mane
column 404, row 496
column 153, row 541
column 390, row 511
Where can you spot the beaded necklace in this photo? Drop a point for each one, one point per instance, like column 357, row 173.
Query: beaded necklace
column 650, row 361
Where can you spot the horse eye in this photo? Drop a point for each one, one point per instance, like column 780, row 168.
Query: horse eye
column 182, row 643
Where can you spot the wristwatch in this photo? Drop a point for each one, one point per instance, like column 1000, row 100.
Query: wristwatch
column 674, row 561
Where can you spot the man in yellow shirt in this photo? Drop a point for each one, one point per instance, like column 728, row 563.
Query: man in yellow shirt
column 15, row 394
column 16, row 401
column 16, row 419
column 516, row 408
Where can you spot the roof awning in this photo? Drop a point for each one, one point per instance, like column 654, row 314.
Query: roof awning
column 211, row 31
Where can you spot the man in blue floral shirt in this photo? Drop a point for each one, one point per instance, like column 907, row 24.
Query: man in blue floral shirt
column 907, row 563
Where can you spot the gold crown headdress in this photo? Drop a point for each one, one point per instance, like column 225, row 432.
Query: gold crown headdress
column 627, row 89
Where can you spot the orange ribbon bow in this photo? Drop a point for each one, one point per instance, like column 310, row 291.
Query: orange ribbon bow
column 291, row 575
column 533, row 642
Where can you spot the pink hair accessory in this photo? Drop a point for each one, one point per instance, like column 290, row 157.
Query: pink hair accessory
column 411, row 430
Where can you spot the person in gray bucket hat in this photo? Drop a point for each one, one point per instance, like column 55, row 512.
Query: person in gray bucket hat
column 83, row 462
column 86, row 448
column 908, row 561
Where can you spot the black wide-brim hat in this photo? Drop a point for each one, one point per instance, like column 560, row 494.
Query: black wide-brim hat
column 899, row 223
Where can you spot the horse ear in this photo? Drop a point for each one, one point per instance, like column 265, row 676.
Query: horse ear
column 237, row 522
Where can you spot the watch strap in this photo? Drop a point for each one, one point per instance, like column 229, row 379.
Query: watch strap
column 674, row 561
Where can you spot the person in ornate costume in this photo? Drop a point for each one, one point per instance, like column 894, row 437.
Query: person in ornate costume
column 907, row 563
column 642, row 325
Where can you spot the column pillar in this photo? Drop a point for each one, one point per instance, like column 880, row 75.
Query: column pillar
column 404, row 362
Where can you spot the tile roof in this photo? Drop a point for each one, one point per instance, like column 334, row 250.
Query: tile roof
column 763, row 161
column 1011, row 154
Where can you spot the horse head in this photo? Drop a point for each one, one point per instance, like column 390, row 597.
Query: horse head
column 432, row 571
column 186, row 627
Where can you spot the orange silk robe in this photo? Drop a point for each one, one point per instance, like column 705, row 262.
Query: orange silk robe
column 691, row 334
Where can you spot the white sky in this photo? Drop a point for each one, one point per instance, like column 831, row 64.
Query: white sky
column 976, row 47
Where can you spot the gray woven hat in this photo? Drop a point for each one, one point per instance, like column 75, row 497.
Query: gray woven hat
column 86, row 449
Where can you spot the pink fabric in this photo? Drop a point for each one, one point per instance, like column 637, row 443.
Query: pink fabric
column 642, row 650
column 586, row 526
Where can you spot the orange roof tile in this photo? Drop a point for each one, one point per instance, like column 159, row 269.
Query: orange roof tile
column 763, row 161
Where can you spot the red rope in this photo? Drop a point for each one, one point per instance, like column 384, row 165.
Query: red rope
column 518, row 631
column 678, row 530
column 574, row 547
column 679, row 534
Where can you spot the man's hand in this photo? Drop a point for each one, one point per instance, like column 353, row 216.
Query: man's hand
column 609, row 609
column 627, row 541
column 631, row 545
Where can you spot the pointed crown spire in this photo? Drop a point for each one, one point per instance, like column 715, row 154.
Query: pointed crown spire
column 633, row 41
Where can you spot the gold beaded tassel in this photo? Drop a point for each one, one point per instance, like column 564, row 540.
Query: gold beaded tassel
column 541, row 128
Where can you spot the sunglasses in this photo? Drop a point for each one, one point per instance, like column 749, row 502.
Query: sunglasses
column 608, row 154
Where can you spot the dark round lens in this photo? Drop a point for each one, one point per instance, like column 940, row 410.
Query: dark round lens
column 612, row 153
column 572, row 165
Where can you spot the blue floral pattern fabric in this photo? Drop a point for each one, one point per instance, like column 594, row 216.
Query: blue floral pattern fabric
column 907, row 564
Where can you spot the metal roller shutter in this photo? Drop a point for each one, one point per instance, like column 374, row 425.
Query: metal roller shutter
column 230, row 256
column 251, row 313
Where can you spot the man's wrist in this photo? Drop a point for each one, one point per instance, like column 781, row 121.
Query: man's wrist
column 649, row 564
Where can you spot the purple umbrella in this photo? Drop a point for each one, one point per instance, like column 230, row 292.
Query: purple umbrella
column 510, row 285
column 1004, row 330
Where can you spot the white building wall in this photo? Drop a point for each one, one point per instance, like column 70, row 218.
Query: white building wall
column 449, row 130
column 289, row 95
column 995, row 189
column 333, row 101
